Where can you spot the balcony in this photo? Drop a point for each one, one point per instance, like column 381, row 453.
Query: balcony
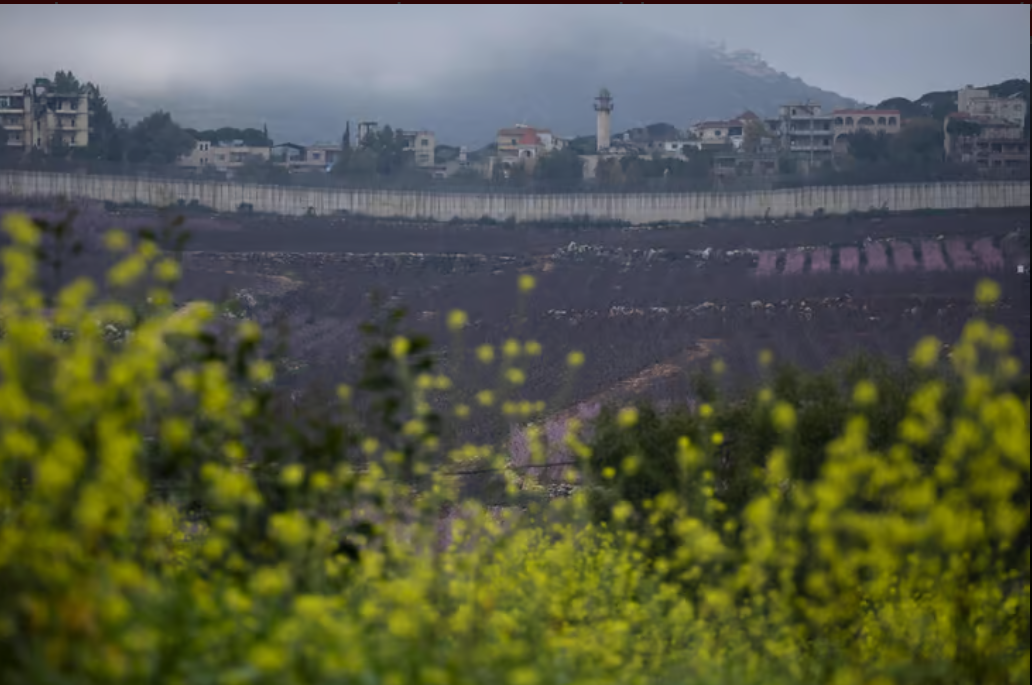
column 804, row 131
column 806, row 147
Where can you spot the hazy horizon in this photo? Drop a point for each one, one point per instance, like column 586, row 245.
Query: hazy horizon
column 380, row 61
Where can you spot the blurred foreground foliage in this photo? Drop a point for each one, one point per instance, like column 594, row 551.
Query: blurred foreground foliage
column 167, row 517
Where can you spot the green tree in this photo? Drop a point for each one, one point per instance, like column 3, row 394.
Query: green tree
column 964, row 128
column 388, row 147
column 919, row 142
column 360, row 163
column 445, row 153
column 584, row 145
column 866, row 147
column 609, row 174
column 58, row 148
column 259, row 170
column 634, row 172
column 788, row 166
column 515, row 175
column 251, row 137
column 563, row 168
column 698, row 165
column 107, row 139
column 65, row 82
column 754, row 135
column 907, row 109
column 158, row 139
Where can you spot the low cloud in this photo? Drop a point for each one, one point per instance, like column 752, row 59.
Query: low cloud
column 867, row 51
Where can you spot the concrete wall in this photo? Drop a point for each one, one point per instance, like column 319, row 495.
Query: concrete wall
column 635, row 208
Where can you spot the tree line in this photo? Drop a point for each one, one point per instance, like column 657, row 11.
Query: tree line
column 157, row 139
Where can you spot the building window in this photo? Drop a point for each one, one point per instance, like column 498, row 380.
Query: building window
column 316, row 156
column 892, row 121
column 849, row 121
column 424, row 142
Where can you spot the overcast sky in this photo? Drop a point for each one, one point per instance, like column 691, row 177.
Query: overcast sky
column 869, row 52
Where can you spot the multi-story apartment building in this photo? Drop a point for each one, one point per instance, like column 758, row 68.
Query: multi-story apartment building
column 421, row 144
column 978, row 102
column 41, row 118
column 988, row 142
column 804, row 131
column 874, row 121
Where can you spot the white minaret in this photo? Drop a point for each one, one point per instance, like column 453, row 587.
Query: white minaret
column 604, row 109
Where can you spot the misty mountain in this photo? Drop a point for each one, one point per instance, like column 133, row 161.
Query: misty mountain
column 653, row 78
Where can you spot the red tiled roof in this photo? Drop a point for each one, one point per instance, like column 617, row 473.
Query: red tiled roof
column 718, row 124
column 868, row 112
column 519, row 131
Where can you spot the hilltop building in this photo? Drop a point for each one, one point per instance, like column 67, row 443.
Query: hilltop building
column 290, row 155
column 523, row 144
column 978, row 102
column 224, row 156
column 987, row 131
column 421, row 144
column 874, row 121
column 365, row 129
column 988, row 142
column 805, row 132
column 718, row 134
column 41, row 118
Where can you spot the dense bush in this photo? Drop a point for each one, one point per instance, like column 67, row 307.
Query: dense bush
column 332, row 547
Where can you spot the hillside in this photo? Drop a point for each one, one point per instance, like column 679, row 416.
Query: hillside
column 653, row 79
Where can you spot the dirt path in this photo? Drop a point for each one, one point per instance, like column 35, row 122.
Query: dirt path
column 556, row 425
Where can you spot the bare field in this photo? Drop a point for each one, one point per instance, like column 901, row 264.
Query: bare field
column 647, row 306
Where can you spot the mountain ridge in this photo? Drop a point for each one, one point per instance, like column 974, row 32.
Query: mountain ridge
column 554, row 88
column 654, row 79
